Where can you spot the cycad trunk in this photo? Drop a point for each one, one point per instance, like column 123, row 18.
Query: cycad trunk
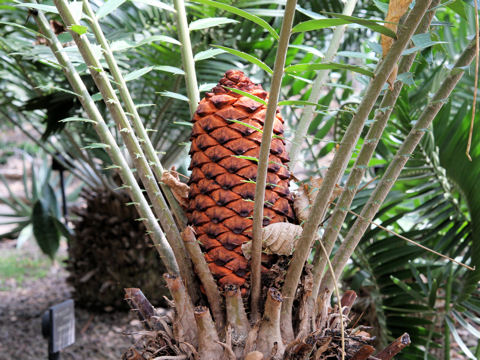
column 108, row 247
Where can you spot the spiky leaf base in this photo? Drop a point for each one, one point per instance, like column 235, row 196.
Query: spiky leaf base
column 110, row 251
column 166, row 337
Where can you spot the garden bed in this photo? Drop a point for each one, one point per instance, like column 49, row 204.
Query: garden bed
column 28, row 286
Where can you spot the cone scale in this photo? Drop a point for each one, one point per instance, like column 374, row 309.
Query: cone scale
column 225, row 144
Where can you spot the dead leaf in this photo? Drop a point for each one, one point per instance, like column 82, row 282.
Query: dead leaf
column 254, row 355
column 324, row 344
column 314, row 186
column 306, row 194
column 301, row 203
column 281, row 238
column 396, row 9
column 278, row 238
column 179, row 189
column 362, row 334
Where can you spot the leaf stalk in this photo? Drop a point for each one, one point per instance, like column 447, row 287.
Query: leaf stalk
column 340, row 161
column 371, row 141
column 104, row 133
column 264, row 155
column 156, row 167
column 132, row 143
column 393, row 171
column 187, row 56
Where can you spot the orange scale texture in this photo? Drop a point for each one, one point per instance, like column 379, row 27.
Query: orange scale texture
column 221, row 189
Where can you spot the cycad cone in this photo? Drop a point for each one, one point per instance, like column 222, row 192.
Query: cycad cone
column 225, row 144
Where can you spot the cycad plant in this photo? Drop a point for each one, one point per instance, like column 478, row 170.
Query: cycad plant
column 268, row 300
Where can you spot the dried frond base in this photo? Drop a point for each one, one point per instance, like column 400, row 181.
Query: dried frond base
column 327, row 344
column 158, row 344
column 263, row 340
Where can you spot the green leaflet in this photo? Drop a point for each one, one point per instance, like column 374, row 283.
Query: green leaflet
column 327, row 66
column 174, row 95
column 244, row 93
column 138, row 73
column 78, row 119
column 156, row 3
column 44, row 229
column 250, row 58
column 340, row 19
column 231, row 9
column 108, row 7
column 79, row 29
column 207, row 54
column 44, row 8
column 371, row 24
column 210, row 22
column 121, row 45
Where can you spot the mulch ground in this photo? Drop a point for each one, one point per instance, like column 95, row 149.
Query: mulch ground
column 98, row 335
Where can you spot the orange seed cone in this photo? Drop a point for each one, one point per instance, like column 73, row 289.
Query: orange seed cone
column 222, row 184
